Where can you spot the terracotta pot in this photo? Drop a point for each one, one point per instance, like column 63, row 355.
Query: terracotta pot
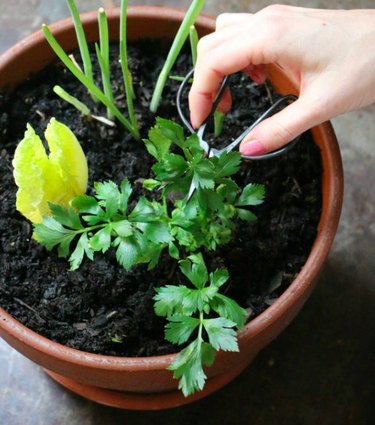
column 143, row 383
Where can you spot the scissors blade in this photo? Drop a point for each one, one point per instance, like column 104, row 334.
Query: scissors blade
column 202, row 143
column 207, row 150
column 191, row 192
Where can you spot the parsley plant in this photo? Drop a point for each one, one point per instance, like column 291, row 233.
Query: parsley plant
column 186, row 229
column 189, row 311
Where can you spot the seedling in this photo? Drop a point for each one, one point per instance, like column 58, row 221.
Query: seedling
column 102, row 54
column 193, row 36
column 105, row 96
column 178, row 42
column 80, row 106
column 85, row 77
column 82, row 43
column 219, row 117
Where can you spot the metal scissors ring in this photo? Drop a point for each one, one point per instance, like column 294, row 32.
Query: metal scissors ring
column 210, row 151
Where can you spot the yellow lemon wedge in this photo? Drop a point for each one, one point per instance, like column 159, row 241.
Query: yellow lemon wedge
column 56, row 177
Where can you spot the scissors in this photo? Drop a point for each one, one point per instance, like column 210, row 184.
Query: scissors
column 209, row 150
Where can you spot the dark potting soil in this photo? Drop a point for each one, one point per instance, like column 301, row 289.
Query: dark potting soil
column 87, row 308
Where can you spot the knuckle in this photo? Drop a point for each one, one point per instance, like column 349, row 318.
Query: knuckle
column 271, row 20
column 272, row 16
column 275, row 10
column 204, row 44
column 222, row 20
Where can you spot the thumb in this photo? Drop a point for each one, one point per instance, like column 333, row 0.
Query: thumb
column 280, row 129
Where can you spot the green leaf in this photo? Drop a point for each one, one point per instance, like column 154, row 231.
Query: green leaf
column 123, row 228
column 183, row 32
column 221, row 334
column 228, row 190
column 198, row 299
column 110, row 194
column 86, row 204
column 101, row 241
column 125, row 192
column 157, row 144
column 210, row 200
column 143, row 211
column 82, row 248
column 180, row 328
column 193, row 148
column 157, row 231
column 127, row 252
column 169, row 299
column 179, row 218
column 151, row 148
column 153, row 256
column 227, row 164
column 246, row 215
column 204, row 172
column 229, row 309
column 173, row 251
column 151, row 184
column 252, row 194
column 188, row 366
column 208, row 354
column 171, row 130
column 51, row 233
column 219, row 277
column 66, row 216
column 172, row 167
column 184, row 238
column 195, row 270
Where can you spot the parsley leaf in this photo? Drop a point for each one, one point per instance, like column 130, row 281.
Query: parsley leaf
column 227, row 164
column 221, row 334
column 185, row 309
column 81, row 249
column 252, row 194
column 180, row 328
column 51, row 233
column 188, row 366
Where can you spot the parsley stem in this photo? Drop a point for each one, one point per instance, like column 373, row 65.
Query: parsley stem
column 200, row 330
column 89, row 229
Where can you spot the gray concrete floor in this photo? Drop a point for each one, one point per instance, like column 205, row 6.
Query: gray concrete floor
column 320, row 370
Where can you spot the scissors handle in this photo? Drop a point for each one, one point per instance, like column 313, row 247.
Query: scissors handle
column 282, row 102
column 285, row 100
column 215, row 103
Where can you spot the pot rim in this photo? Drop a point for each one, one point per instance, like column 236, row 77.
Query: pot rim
column 331, row 208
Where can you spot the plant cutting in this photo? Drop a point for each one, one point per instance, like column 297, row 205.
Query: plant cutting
column 122, row 379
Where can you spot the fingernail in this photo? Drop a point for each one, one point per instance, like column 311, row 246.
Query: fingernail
column 252, row 148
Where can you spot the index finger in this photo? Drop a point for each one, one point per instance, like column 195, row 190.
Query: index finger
column 208, row 75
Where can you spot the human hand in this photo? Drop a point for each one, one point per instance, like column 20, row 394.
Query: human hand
column 329, row 54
